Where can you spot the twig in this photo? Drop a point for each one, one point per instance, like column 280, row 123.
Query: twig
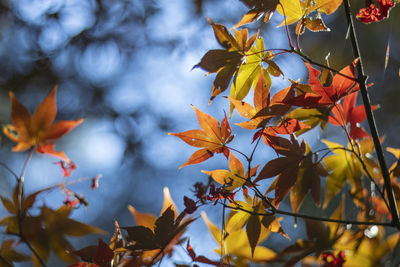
column 309, row 60
column 5, row 261
column 323, row 219
column 20, row 197
column 370, row 118
column 2, row 164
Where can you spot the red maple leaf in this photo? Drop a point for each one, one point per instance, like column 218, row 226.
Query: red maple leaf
column 329, row 95
column 349, row 113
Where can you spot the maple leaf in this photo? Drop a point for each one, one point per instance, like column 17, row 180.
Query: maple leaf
column 8, row 252
column 235, row 177
column 248, row 73
column 48, row 230
column 350, row 113
column 266, row 108
column 294, row 10
column 286, row 168
column 254, row 223
column 152, row 233
column 237, row 244
column 295, row 170
column 329, row 95
column 314, row 25
column 226, row 62
column 212, row 138
column 362, row 250
column 258, row 9
column 94, row 256
column 311, row 117
column 38, row 130
column 342, row 166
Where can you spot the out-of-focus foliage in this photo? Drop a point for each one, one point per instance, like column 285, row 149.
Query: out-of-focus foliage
column 87, row 47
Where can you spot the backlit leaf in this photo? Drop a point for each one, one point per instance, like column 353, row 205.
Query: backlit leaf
column 342, row 167
column 327, row 6
column 213, row 137
column 38, row 130
column 329, row 95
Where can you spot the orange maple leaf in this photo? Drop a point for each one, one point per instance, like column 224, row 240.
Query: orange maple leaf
column 212, row 138
column 38, row 130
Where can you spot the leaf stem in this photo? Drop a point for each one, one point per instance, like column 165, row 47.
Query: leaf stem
column 370, row 118
column 286, row 26
column 20, row 215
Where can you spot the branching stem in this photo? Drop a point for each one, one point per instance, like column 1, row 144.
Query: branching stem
column 370, row 117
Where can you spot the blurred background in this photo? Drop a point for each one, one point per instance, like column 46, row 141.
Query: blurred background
column 125, row 66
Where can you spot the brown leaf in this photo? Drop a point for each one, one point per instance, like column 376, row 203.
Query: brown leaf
column 253, row 230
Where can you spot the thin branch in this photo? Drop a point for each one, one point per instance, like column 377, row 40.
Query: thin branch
column 370, row 118
column 248, row 211
column 372, row 179
column 23, row 239
column 309, row 60
column 305, row 216
column 323, row 219
column 32, row 249
column 20, row 197
column 2, row 164
column 5, row 261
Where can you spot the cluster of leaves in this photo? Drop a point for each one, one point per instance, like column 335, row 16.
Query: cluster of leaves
column 328, row 98
column 334, row 177
column 144, row 244
column 44, row 230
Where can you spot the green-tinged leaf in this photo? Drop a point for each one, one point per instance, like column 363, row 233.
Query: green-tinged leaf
column 237, row 243
column 311, row 117
column 342, row 167
column 237, row 221
column 249, row 73
column 292, row 9
column 253, row 230
column 273, row 68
